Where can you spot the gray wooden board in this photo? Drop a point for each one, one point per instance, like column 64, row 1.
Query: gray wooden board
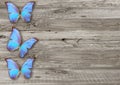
column 78, row 42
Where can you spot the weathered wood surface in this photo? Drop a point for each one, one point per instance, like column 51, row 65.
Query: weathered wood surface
column 79, row 42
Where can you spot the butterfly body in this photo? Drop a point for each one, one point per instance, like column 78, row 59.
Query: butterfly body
column 15, row 42
column 14, row 70
column 14, row 14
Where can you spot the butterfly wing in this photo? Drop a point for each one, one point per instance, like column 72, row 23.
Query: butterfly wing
column 13, row 69
column 27, row 45
column 26, row 68
column 13, row 12
column 15, row 40
column 26, row 11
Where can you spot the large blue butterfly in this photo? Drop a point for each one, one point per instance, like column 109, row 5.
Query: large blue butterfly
column 15, row 42
column 14, row 13
column 14, row 70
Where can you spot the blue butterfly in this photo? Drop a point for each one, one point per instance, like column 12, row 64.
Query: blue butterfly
column 14, row 70
column 14, row 12
column 15, row 42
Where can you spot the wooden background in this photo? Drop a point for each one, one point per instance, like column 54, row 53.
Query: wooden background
column 79, row 42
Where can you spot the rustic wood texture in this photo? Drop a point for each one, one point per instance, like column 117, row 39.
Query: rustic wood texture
column 79, row 42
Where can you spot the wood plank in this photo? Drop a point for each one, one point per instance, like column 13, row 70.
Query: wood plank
column 60, row 19
column 76, row 77
column 95, row 49
column 80, row 3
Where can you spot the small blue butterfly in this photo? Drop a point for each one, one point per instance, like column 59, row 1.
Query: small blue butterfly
column 14, row 70
column 14, row 13
column 15, row 42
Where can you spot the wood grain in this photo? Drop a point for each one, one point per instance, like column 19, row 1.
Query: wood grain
column 79, row 42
